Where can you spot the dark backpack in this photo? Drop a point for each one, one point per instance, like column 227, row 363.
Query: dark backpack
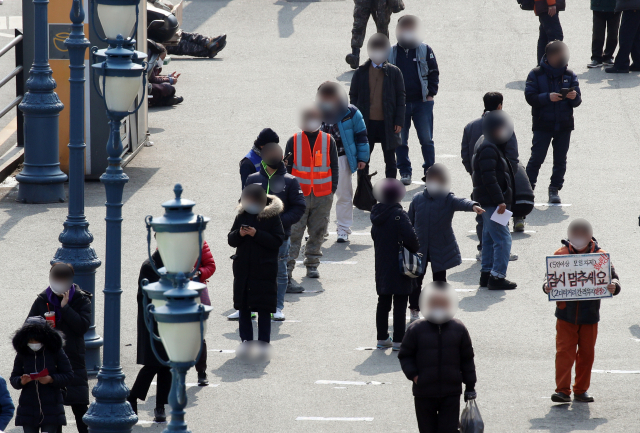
column 526, row 5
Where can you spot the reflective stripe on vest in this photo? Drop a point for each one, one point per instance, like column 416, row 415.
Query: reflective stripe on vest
column 312, row 178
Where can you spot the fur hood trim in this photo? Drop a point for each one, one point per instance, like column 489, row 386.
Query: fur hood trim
column 36, row 328
column 273, row 208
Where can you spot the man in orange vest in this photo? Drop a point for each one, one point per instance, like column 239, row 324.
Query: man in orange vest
column 312, row 157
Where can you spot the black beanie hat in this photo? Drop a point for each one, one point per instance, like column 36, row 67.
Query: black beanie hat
column 267, row 135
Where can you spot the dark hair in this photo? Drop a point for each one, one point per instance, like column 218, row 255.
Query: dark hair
column 329, row 88
column 155, row 47
column 580, row 224
column 267, row 135
column 62, row 271
column 378, row 40
column 255, row 192
column 408, row 20
column 438, row 170
column 492, row 100
column 554, row 47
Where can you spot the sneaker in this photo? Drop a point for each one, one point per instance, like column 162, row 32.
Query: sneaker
column 479, row 256
column 312, row 272
column 634, row 67
column 236, row 315
column 500, row 284
column 173, row 101
column 385, row 344
column 278, row 315
column 342, row 238
column 614, row 70
column 405, row 179
column 554, row 197
column 216, row 45
column 560, row 397
column 353, row 60
column 518, row 224
column 513, row 257
column 584, row 398
column 202, row 379
column 594, row 64
column 396, row 346
column 484, row 279
column 414, row 315
column 159, row 415
column 293, row 287
column 609, row 62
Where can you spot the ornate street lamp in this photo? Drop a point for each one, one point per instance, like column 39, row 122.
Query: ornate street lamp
column 175, row 305
column 119, row 80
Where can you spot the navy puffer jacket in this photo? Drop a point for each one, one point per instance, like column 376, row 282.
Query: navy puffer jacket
column 432, row 218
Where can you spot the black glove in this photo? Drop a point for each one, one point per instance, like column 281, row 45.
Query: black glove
column 470, row 395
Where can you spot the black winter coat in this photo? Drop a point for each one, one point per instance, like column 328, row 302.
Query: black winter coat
column 255, row 264
column 145, row 355
column 40, row 404
column 393, row 99
column 287, row 189
column 472, row 132
column 390, row 225
column 627, row 5
column 74, row 323
column 441, row 356
column 492, row 180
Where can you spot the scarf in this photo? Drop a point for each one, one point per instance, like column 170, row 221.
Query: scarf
column 56, row 302
column 256, row 150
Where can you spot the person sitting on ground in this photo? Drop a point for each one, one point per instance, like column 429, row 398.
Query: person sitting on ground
column 72, row 308
column 252, row 161
column 161, row 87
column 39, row 350
column 437, row 356
column 391, row 225
column 6, row 404
column 257, row 236
column 431, row 213
column 577, row 321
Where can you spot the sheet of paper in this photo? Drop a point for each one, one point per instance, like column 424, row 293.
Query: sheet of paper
column 502, row 219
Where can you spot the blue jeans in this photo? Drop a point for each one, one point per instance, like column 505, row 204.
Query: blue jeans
column 283, row 276
column 496, row 245
column 422, row 115
column 559, row 140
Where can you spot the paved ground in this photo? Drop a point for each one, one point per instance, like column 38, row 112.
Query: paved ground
column 278, row 53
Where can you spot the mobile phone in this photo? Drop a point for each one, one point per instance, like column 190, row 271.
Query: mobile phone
column 244, row 226
column 564, row 92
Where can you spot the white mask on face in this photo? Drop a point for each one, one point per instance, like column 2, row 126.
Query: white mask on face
column 312, row 125
column 408, row 38
column 436, row 188
column 35, row 346
column 159, row 63
column 378, row 56
column 579, row 243
column 438, row 316
column 59, row 287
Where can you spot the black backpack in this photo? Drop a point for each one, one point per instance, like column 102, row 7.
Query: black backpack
column 526, row 5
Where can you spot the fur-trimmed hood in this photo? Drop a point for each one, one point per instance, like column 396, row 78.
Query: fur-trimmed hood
column 273, row 208
column 37, row 328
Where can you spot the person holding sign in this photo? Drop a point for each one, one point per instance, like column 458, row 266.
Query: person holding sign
column 577, row 324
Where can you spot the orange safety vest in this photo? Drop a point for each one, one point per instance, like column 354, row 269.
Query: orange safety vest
column 312, row 171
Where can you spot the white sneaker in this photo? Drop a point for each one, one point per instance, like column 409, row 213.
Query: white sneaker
column 343, row 237
column 479, row 256
column 385, row 344
column 396, row 347
column 415, row 315
column 513, row 257
column 234, row 316
column 278, row 315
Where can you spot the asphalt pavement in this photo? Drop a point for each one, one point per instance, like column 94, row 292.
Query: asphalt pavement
column 322, row 377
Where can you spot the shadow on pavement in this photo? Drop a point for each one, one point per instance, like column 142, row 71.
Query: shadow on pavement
column 345, row 76
column 196, row 12
column 546, row 216
column 516, row 85
column 286, row 15
column 566, row 418
column 635, row 330
column 379, row 362
column 481, row 300
column 234, row 370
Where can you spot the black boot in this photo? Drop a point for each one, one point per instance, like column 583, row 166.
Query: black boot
column 159, row 414
column 202, row 379
column 554, row 197
column 500, row 284
column 484, row 278
column 134, row 404
column 353, row 59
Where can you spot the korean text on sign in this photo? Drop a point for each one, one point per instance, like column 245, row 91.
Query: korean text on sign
column 579, row 277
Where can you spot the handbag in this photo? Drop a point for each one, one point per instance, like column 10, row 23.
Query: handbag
column 411, row 264
column 526, row 5
column 363, row 198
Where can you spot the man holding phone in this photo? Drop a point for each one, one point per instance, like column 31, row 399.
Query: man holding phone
column 553, row 92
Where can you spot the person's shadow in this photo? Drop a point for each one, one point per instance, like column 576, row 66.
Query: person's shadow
column 379, row 362
column 566, row 418
column 235, row 370
column 481, row 300
column 635, row 331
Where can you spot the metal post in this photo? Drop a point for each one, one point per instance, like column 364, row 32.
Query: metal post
column 41, row 180
column 178, row 397
column 111, row 412
column 19, row 88
column 76, row 238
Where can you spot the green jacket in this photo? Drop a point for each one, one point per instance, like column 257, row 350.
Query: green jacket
column 603, row 5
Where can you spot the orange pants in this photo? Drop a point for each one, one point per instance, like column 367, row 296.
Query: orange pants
column 568, row 338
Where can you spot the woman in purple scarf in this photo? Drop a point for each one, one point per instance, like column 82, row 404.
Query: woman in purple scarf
column 72, row 308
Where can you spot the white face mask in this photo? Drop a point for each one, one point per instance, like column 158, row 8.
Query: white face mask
column 438, row 316
column 408, row 38
column 436, row 188
column 252, row 208
column 312, row 125
column 59, row 287
column 35, row 346
column 378, row 56
column 579, row 243
column 159, row 63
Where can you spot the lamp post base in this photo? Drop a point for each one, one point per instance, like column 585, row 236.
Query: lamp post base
column 178, row 397
column 110, row 412
column 36, row 193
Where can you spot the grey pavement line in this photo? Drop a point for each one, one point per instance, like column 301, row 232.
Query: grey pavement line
column 333, row 262
column 353, row 233
column 526, row 231
column 222, row 350
column 552, row 204
column 188, row 385
column 322, row 418
column 347, row 382
column 617, row 371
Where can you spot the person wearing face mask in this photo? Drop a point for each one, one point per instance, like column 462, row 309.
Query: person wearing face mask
column 421, row 77
column 553, row 92
column 493, row 181
column 72, row 308
column 431, row 213
column 547, row 12
column 312, row 157
column 161, row 87
column 437, row 356
column 39, row 350
column 252, row 161
column 577, row 321
column 257, row 236
column 377, row 89
column 346, row 125
column 629, row 38
column 273, row 177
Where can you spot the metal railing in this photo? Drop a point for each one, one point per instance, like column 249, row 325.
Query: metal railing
column 17, row 73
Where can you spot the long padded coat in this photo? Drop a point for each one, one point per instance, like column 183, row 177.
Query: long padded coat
column 255, row 264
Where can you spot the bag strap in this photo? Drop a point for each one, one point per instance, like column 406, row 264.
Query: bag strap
column 397, row 218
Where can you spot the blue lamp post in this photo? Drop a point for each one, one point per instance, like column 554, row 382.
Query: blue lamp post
column 175, row 305
column 41, row 180
column 76, row 238
column 120, row 80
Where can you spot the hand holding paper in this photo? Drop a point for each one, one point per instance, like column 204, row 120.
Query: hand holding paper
column 503, row 218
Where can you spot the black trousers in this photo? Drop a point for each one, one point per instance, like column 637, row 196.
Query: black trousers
column 143, row 383
column 414, row 298
column 376, row 134
column 399, row 316
column 629, row 40
column 78, row 412
column 191, row 44
column 201, row 365
column 560, row 141
column 604, row 23
column 438, row 415
column 550, row 30
column 245, row 326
